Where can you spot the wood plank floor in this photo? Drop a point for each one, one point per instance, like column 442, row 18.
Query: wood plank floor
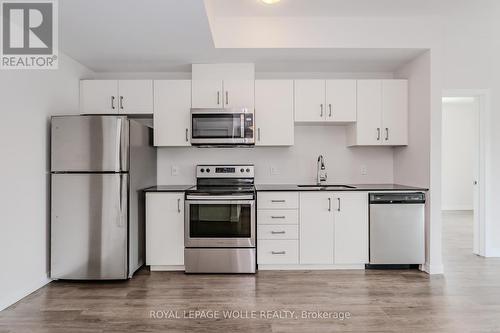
column 465, row 299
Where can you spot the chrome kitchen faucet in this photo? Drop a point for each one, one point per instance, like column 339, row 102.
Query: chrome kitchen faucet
column 321, row 175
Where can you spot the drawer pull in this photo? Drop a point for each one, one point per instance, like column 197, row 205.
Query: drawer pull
column 278, row 232
column 278, row 200
column 278, row 252
column 278, row 217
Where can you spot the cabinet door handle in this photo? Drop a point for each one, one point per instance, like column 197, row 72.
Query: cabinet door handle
column 378, row 134
column 330, row 107
column 178, row 205
column 218, row 97
column 278, row 200
column 278, row 252
column 121, row 102
column 187, row 132
column 277, row 232
column 278, row 217
column 227, row 97
column 321, row 107
column 338, row 208
column 113, row 102
column 386, row 134
column 258, row 134
column 329, row 204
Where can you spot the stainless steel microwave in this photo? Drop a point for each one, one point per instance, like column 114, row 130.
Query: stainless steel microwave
column 222, row 127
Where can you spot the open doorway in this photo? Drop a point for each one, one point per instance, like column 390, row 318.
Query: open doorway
column 463, row 166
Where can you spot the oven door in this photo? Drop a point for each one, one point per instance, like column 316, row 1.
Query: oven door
column 220, row 223
column 211, row 127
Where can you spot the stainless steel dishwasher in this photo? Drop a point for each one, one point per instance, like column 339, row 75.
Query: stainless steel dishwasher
column 397, row 228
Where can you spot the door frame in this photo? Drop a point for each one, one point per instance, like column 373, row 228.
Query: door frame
column 482, row 246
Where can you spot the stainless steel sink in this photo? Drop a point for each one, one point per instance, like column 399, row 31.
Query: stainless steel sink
column 327, row 186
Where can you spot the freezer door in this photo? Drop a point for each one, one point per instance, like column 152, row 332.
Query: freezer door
column 89, row 144
column 89, row 226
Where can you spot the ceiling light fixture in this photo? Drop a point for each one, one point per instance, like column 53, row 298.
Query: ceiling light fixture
column 270, row 2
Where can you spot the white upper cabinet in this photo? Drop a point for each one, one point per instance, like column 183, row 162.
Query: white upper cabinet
column 207, row 93
column 316, row 228
column 382, row 116
column 325, row 101
column 223, row 86
column 274, row 120
column 99, row 97
column 172, row 104
column 340, row 100
column 238, row 93
column 135, row 96
column 395, row 112
column 351, row 227
column 309, row 100
column 116, row 96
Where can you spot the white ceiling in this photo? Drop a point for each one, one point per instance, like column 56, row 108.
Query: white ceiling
column 169, row 35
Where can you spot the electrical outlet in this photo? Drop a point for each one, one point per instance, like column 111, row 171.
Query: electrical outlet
column 174, row 170
column 274, row 171
column 364, row 170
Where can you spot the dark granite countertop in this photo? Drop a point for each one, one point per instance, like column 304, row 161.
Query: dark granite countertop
column 357, row 187
column 168, row 188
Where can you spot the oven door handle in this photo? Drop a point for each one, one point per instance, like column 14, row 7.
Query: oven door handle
column 220, row 202
column 219, row 197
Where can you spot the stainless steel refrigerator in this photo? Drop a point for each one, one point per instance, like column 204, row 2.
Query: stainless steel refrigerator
column 99, row 165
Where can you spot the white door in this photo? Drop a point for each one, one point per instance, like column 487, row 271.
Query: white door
column 207, row 93
column 368, row 123
column 172, row 104
column 164, row 229
column 351, row 227
column 239, row 94
column 135, row 96
column 341, row 100
column 274, row 112
column 316, row 228
column 99, row 97
column 309, row 100
column 395, row 112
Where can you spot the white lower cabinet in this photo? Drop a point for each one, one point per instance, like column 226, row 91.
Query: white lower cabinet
column 351, row 228
column 277, row 229
column 316, row 228
column 334, row 228
column 165, row 230
column 278, row 252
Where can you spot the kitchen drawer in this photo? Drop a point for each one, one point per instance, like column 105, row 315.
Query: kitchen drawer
column 283, row 216
column 273, row 252
column 278, row 200
column 268, row 231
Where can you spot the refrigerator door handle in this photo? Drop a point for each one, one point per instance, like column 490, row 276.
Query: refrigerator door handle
column 119, row 145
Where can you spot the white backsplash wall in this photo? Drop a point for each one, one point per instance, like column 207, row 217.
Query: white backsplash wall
column 296, row 164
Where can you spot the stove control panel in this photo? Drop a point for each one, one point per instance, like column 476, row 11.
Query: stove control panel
column 225, row 171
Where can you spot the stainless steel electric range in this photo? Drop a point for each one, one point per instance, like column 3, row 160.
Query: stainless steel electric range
column 220, row 220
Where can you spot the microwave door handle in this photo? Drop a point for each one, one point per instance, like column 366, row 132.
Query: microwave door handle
column 242, row 124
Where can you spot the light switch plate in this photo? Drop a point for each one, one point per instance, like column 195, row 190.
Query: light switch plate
column 175, row 170
column 364, row 170
column 274, row 171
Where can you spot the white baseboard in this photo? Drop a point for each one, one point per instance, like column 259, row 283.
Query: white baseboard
column 457, row 207
column 432, row 269
column 493, row 253
column 162, row 268
column 301, row 267
column 8, row 300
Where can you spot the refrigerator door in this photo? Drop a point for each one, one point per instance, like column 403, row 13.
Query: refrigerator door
column 89, row 144
column 89, row 226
